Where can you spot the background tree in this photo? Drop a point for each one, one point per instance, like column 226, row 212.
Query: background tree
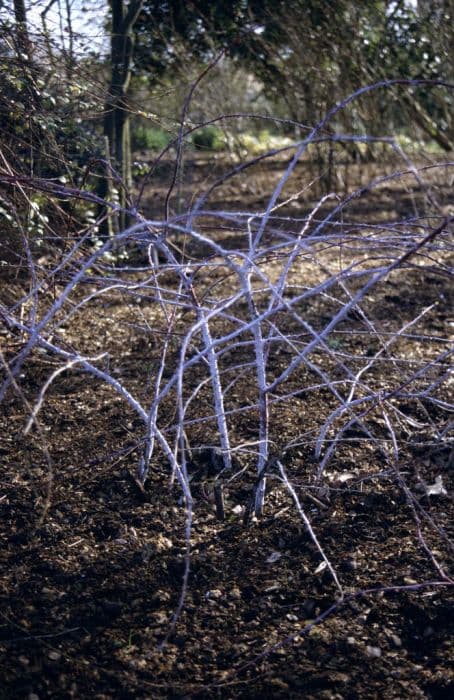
column 48, row 131
column 117, row 114
column 311, row 53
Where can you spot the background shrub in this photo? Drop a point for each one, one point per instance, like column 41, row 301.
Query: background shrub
column 145, row 138
column 208, row 138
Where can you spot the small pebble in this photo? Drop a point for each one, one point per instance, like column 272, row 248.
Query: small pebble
column 214, row 594
column 373, row 652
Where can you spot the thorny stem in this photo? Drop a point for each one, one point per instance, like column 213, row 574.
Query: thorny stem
column 210, row 322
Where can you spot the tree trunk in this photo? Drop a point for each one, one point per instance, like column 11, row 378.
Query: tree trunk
column 116, row 120
column 30, row 71
column 20, row 16
column 427, row 124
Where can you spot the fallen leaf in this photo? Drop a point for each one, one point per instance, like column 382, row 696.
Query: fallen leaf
column 321, row 567
column 274, row 556
column 373, row 652
column 437, row 488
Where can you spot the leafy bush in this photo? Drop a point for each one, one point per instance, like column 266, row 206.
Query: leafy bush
column 145, row 138
column 208, row 138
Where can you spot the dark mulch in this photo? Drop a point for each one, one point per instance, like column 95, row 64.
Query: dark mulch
column 92, row 566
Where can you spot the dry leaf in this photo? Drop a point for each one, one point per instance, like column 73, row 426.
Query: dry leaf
column 437, row 488
column 274, row 556
column 321, row 567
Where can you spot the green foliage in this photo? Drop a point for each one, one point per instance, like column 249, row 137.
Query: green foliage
column 208, row 138
column 145, row 138
column 43, row 122
column 253, row 144
column 345, row 46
